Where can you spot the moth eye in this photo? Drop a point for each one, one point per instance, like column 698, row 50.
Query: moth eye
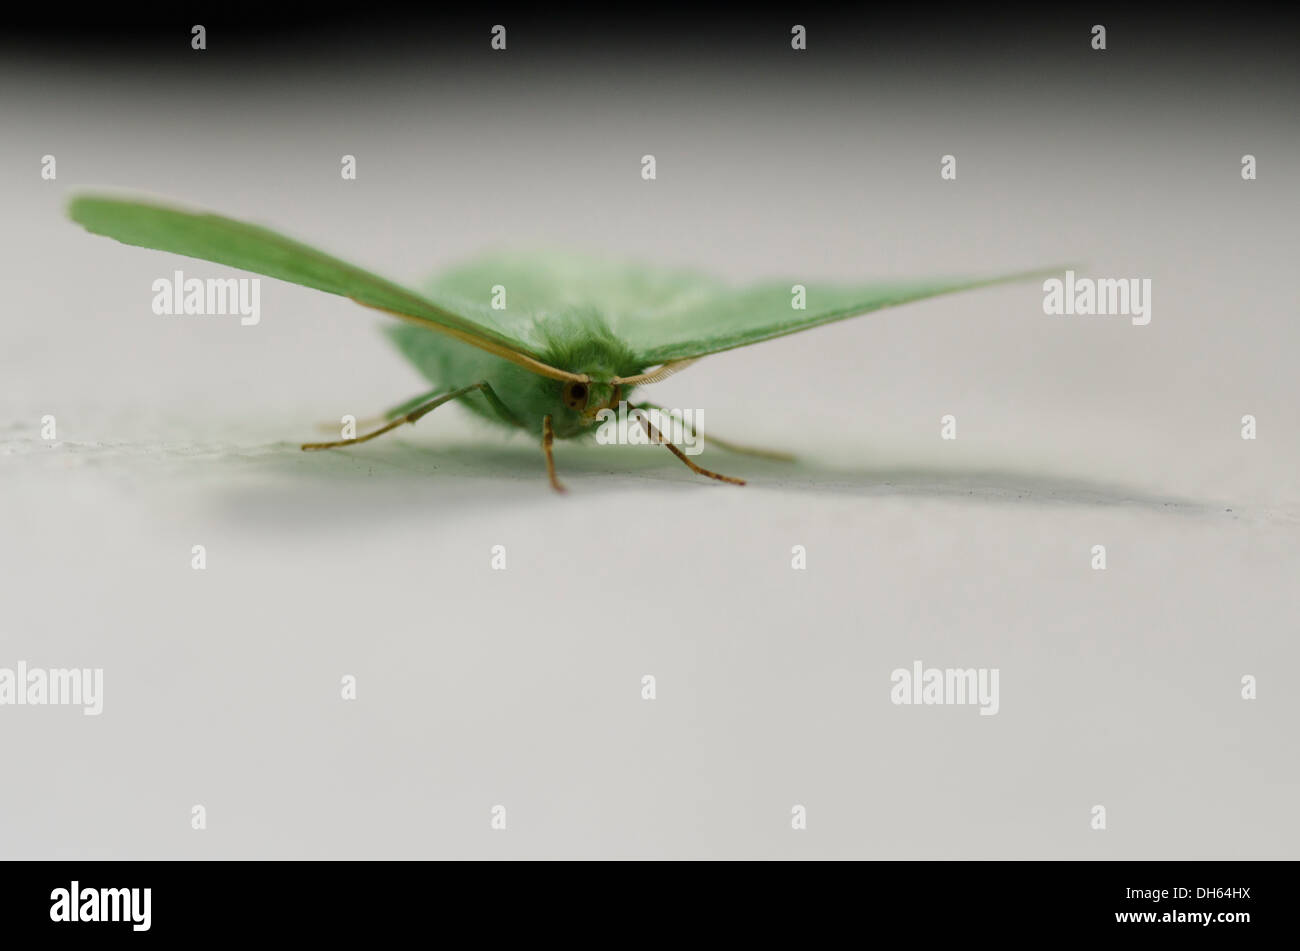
column 575, row 395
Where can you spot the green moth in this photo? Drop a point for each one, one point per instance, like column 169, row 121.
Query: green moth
column 576, row 337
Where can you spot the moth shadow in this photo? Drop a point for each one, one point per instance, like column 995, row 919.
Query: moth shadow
column 995, row 485
column 390, row 479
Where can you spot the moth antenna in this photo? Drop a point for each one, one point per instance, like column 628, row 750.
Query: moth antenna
column 654, row 376
column 496, row 349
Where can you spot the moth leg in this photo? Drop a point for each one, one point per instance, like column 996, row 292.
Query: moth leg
column 401, row 409
column 410, row 417
column 548, row 439
column 655, row 435
column 731, row 446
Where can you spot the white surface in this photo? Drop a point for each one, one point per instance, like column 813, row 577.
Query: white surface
column 522, row 687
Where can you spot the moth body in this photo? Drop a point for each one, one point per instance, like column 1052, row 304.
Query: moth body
column 576, row 341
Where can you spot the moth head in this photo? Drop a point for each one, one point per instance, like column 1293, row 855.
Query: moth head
column 588, row 399
column 575, row 405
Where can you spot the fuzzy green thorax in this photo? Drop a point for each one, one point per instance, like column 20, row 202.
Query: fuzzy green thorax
column 580, row 343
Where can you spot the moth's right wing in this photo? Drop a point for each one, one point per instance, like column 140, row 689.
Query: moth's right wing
column 726, row 319
column 670, row 315
column 262, row 251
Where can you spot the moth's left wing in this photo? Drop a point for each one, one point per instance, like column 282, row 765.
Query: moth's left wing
column 251, row 247
column 718, row 319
